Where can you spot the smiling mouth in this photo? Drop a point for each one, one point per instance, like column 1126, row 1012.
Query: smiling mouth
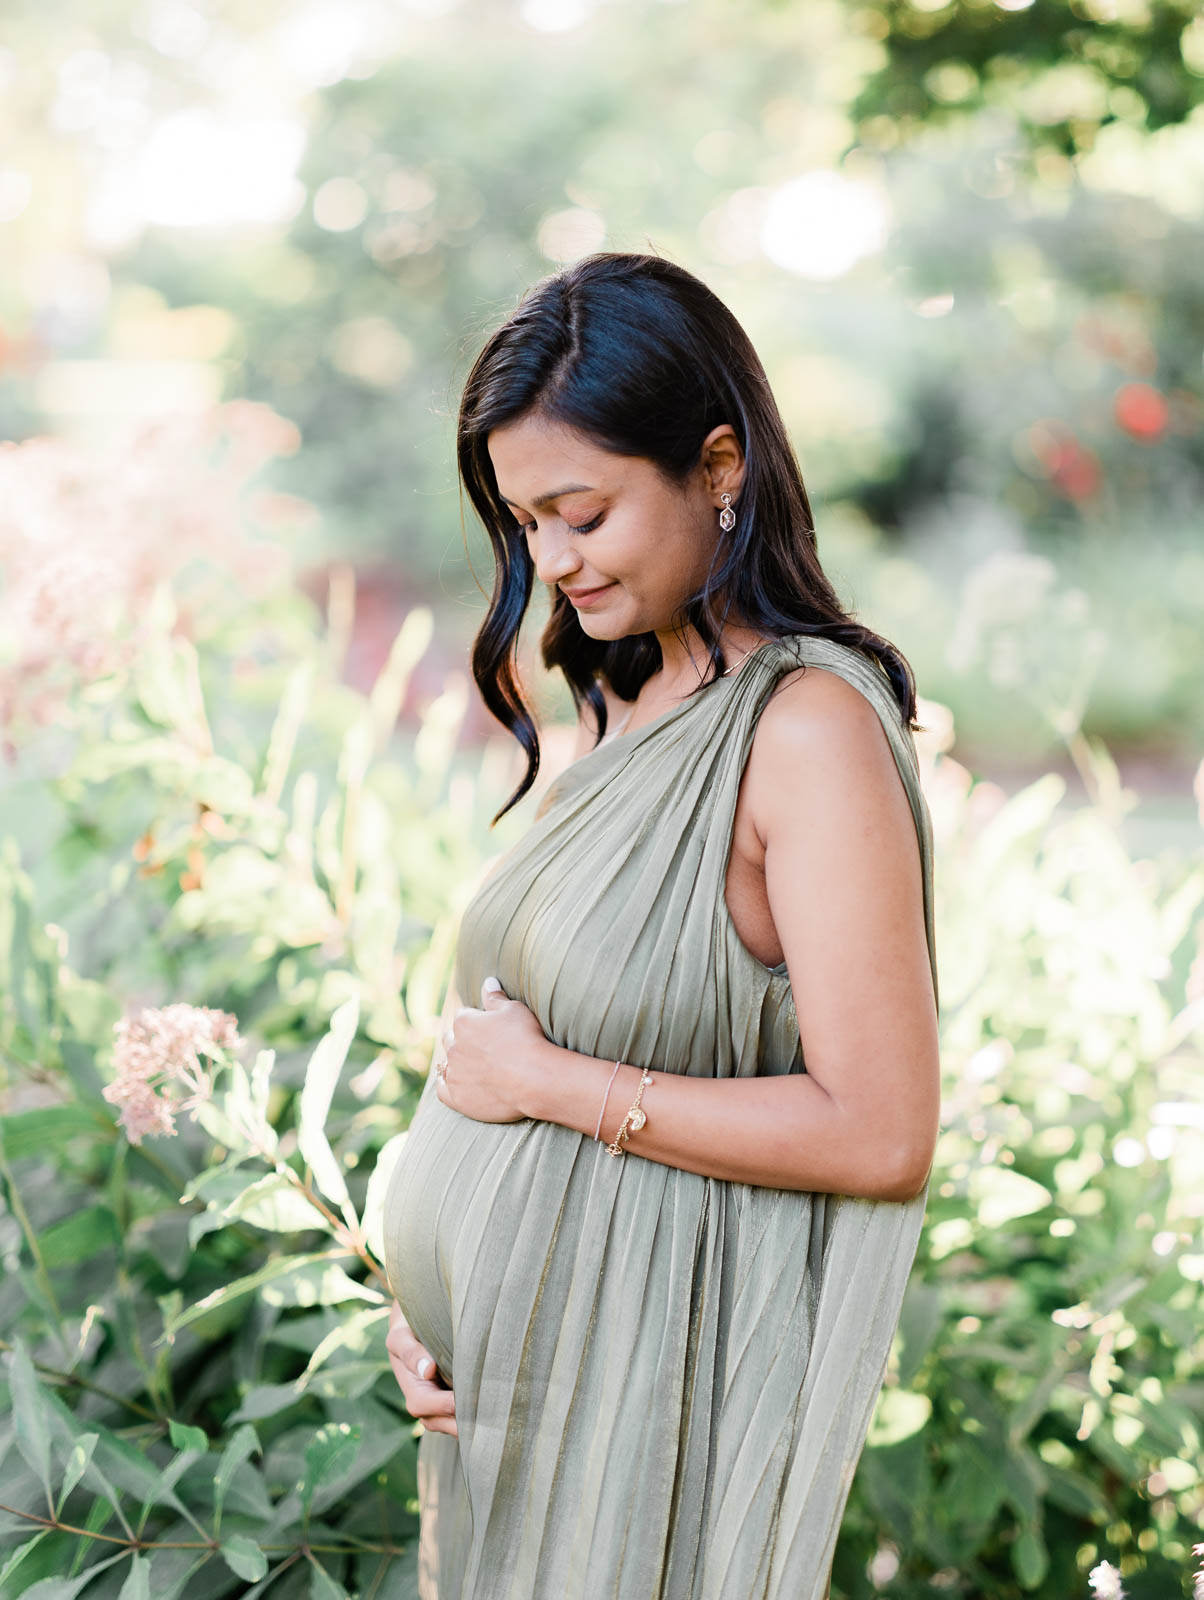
column 584, row 597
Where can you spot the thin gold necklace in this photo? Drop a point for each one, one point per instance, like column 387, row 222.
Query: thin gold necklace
column 622, row 728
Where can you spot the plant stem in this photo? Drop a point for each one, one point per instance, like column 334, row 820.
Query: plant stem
column 73, row 1380
column 294, row 1552
column 35, row 1249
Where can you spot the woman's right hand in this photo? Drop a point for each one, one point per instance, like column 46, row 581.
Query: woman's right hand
column 427, row 1397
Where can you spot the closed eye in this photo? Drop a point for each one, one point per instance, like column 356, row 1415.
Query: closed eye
column 584, row 527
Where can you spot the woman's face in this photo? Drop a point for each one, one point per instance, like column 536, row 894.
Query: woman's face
column 625, row 547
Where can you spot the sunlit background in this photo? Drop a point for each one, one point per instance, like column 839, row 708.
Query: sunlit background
column 965, row 238
column 248, row 252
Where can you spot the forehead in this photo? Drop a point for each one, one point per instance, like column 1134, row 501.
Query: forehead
column 536, row 461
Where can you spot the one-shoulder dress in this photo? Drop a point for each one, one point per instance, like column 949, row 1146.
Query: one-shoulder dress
column 663, row 1382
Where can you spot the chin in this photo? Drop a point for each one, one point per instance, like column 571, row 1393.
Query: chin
column 604, row 628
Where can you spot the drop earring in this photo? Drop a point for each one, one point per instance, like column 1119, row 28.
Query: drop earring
column 727, row 517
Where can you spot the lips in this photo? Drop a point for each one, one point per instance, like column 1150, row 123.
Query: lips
column 585, row 597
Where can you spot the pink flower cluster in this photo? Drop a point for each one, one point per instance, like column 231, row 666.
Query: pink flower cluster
column 157, row 1053
column 87, row 534
column 1105, row 1582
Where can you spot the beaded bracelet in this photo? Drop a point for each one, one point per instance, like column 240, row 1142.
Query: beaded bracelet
column 635, row 1119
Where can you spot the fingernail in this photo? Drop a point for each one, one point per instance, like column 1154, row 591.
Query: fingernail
column 492, row 986
column 426, row 1367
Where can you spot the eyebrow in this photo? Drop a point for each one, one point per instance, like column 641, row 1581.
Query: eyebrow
column 542, row 501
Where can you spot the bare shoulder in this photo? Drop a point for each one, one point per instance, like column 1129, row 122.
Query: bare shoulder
column 814, row 707
column 817, row 730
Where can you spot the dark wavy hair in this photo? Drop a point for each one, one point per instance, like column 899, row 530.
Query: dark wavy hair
column 639, row 356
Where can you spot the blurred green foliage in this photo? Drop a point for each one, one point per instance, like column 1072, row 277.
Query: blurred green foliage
column 985, row 333
column 197, row 1369
column 1067, row 67
column 198, row 1395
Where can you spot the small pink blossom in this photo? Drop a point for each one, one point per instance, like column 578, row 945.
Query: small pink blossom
column 1105, row 1582
column 157, row 1053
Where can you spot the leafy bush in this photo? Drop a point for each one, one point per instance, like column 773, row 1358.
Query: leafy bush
column 200, row 1396
column 1044, row 1405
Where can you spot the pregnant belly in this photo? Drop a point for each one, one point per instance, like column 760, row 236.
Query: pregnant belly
column 440, row 1199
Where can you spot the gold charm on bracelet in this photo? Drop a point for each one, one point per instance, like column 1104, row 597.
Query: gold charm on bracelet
column 634, row 1120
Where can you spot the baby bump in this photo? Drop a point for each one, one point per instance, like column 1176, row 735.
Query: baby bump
column 441, row 1194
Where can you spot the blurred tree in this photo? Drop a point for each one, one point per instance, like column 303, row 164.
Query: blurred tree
column 1065, row 68
column 981, row 335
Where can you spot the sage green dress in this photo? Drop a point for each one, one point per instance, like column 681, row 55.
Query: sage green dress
column 663, row 1381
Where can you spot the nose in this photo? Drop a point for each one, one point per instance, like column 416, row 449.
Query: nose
column 553, row 554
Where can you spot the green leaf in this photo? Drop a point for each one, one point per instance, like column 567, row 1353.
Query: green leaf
column 1030, row 1558
column 331, row 1451
column 50, row 1128
column 897, row 1415
column 80, row 1237
column 77, row 1464
column 276, row 1203
column 238, row 1117
column 241, row 1446
column 264, row 1583
column 350, row 1332
column 248, row 1099
column 31, row 1416
column 322, row 1586
column 192, row 1444
column 999, row 1195
column 95, row 1479
column 261, row 1088
column 283, row 736
column 380, row 1444
column 201, row 1223
column 119, row 1463
column 18, row 1555
column 919, row 1323
column 265, row 1400
column 970, row 1495
column 1076, row 1493
column 320, row 1078
column 137, row 1583
column 219, row 1185
column 244, row 1558
column 320, row 1285
column 389, row 690
column 378, row 1186
column 279, row 1268
column 184, row 1437
column 347, row 1381
column 68, row 1588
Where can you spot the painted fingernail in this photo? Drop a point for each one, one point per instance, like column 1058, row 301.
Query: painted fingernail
column 492, row 986
column 426, row 1367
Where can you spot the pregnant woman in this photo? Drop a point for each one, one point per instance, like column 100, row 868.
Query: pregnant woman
column 652, row 1224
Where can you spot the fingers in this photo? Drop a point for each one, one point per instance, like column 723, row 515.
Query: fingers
column 427, row 1398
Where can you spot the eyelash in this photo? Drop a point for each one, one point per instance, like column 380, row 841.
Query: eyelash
column 585, row 527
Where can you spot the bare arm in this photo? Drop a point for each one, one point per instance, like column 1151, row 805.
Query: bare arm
column 842, row 870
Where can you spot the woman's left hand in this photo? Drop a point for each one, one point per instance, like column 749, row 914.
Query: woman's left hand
column 490, row 1056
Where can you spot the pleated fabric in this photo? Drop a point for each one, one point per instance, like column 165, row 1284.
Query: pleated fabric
column 663, row 1381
